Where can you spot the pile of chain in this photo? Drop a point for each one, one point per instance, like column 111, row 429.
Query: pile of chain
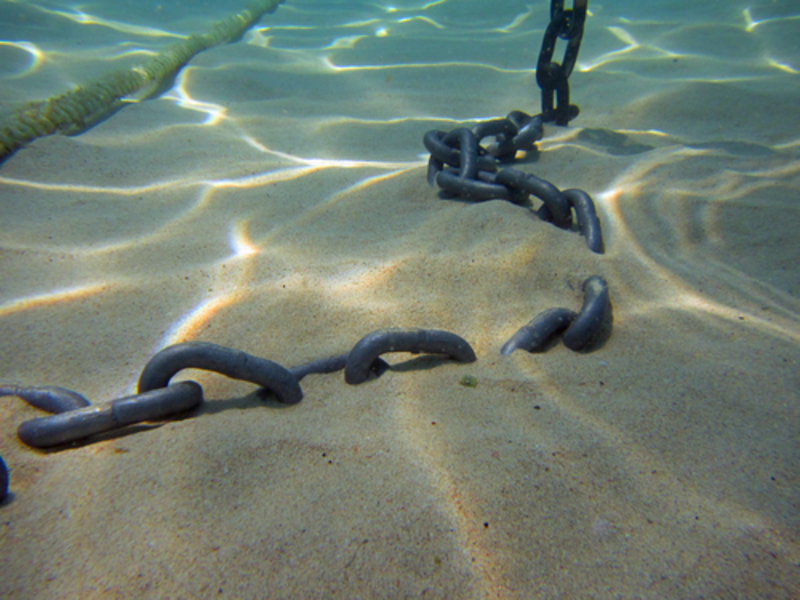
column 465, row 169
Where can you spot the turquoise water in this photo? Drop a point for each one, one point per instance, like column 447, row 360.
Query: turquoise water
column 273, row 198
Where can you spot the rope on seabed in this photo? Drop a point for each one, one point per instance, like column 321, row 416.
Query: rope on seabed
column 78, row 109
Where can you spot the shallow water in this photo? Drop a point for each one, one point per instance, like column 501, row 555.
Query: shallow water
column 275, row 200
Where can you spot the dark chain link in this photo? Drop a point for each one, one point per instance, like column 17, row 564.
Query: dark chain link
column 76, row 419
column 553, row 77
column 465, row 169
column 462, row 167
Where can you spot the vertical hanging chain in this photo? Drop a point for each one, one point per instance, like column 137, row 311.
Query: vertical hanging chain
column 552, row 77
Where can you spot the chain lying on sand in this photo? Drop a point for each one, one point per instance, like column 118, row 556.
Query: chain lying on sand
column 462, row 168
column 76, row 419
column 465, row 169
column 580, row 329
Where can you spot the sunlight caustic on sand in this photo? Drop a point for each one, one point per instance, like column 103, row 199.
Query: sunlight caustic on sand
column 37, row 57
column 275, row 201
column 53, row 297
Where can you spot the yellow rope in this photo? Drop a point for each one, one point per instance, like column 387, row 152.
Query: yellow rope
column 76, row 110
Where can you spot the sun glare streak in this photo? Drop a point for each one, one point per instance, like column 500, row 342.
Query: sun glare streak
column 234, row 291
column 423, row 19
column 679, row 294
column 52, row 298
column 260, row 179
column 630, row 183
column 786, row 68
column 314, row 212
column 370, row 181
column 312, row 164
column 437, row 65
column 83, row 18
column 603, row 59
column 240, row 242
column 256, row 37
column 684, row 299
column 339, row 120
column 393, row 9
column 215, row 113
column 101, row 189
column 631, row 45
column 751, row 23
column 518, row 20
column 345, row 43
column 36, row 57
column 187, row 327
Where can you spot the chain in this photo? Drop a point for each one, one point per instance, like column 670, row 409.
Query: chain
column 580, row 329
column 157, row 399
column 553, row 77
column 465, row 169
column 76, row 419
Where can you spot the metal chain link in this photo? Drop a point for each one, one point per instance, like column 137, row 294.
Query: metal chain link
column 465, row 169
column 462, row 167
column 553, row 77
column 76, row 419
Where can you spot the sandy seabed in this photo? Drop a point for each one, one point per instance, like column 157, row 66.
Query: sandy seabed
column 275, row 201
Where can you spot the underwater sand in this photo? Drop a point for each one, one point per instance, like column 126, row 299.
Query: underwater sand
column 275, row 201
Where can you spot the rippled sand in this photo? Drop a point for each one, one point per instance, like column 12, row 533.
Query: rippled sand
column 275, row 201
